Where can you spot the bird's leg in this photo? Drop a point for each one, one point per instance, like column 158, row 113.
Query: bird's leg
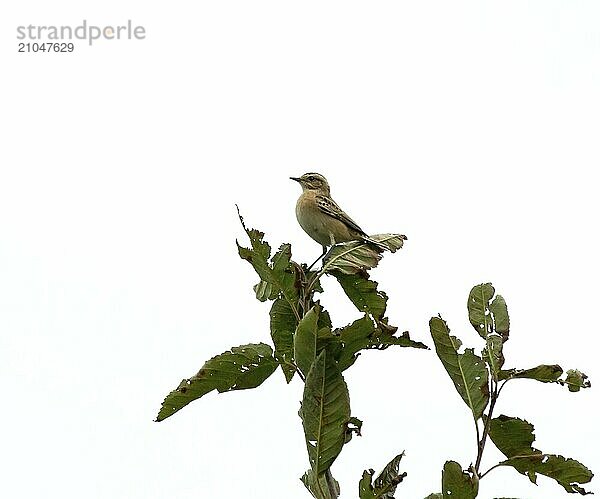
column 321, row 256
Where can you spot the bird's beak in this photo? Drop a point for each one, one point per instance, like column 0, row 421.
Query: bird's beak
column 295, row 178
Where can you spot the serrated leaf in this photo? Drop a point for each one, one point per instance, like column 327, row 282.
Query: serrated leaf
column 278, row 275
column 242, row 367
column 283, row 325
column 363, row 334
column 356, row 257
column 514, row 438
column 392, row 242
column 457, row 483
column 305, row 340
column 385, row 337
column 323, row 487
column 363, row 294
column 325, row 411
column 354, row 338
column 324, row 318
column 467, row 370
column 384, row 486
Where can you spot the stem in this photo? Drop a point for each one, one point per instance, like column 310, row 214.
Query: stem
column 293, row 307
column 478, row 434
column 330, row 484
column 488, row 421
column 525, row 456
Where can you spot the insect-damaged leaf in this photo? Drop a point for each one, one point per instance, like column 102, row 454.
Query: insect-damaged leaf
column 384, row 486
column 283, row 326
column 467, row 370
column 277, row 276
column 354, row 338
column 492, row 353
column 457, row 483
column 356, row 257
column 514, row 438
column 478, row 306
column 491, row 321
column 544, row 373
column 363, row 293
column 574, row 380
column 242, row 367
column 364, row 334
column 325, row 412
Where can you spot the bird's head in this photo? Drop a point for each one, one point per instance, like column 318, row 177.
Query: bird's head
column 313, row 182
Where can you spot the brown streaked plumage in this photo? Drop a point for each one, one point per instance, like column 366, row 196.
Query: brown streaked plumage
column 321, row 217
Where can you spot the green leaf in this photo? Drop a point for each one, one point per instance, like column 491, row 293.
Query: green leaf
column 544, row 373
column 467, row 371
column 354, row 338
column 277, row 276
column 283, row 326
column 576, row 380
column 305, row 340
column 384, row 337
column 491, row 321
column 323, row 487
column 514, row 438
column 353, row 426
column 435, row 496
column 356, row 257
column 384, row 486
column 492, row 353
column 265, row 291
column 479, row 308
column 242, row 367
column 392, row 242
column 457, row 483
column 325, row 412
column 324, row 317
column 500, row 314
column 363, row 294
column 363, row 334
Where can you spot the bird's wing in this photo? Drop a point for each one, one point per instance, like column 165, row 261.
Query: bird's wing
column 331, row 208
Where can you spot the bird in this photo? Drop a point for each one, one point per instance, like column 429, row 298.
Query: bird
column 322, row 218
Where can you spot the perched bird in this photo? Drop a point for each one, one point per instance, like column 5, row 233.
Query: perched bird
column 321, row 217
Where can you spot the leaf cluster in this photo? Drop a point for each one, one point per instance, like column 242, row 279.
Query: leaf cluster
column 305, row 344
column 479, row 380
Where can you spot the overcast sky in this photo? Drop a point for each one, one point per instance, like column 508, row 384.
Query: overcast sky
column 471, row 127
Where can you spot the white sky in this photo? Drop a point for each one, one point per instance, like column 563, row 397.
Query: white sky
column 472, row 127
